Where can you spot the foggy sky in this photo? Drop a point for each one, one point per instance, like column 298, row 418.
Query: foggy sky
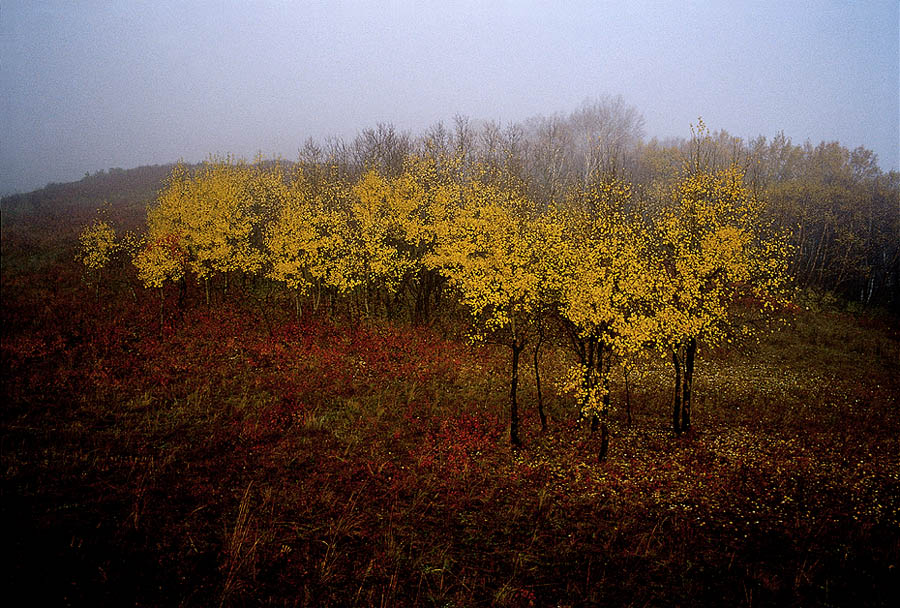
column 90, row 85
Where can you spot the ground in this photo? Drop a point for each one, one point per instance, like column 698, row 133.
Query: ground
column 234, row 456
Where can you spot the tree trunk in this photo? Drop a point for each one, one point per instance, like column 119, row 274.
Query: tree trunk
column 688, row 385
column 626, row 371
column 589, row 382
column 513, row 405
column 537, row 378
column 420, row 303
column 604, row 429
column 676, row 414
column 297, row 306
column 162, row 308
column 182, row 292
column 430, row 287
column 604, row 442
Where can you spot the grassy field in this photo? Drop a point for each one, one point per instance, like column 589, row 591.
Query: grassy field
column 235, row 457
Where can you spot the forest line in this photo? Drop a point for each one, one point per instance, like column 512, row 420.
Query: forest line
column 605, row 270
column 841, row 210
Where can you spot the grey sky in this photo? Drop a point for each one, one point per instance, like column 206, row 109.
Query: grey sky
column 92, row 85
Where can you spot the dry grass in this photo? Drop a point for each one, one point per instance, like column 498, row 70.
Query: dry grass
column 348, row 464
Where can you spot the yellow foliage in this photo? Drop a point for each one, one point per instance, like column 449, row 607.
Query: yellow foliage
column 159, row 261
column 292, row 240
column 373, row 231
column 715, row 250
column 98, row 242
column 620, row 281
column 308, row 243
column 486, row 248
column 210, row 212
column 581, row 383
column 605, row 268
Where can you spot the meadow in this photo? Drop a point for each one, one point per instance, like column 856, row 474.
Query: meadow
column 229, row 454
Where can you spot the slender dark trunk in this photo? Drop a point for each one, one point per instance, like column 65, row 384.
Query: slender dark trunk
column 686, row 401
column 604, row 429
column 604, row 442
column 417, row 305
column 162, row 308
column 420, row 308
column 589, row 382
column 182, row 292
column 297, row 306
column 604, row 377
column 627, row 371
column 537, row 377
column 432, row 295
column 396, row 303
column 206, row 285
column 263, row 306
column 513, row 388
column 425, row 312
column 676, row 414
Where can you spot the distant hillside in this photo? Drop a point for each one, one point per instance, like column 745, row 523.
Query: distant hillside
column 128, row 191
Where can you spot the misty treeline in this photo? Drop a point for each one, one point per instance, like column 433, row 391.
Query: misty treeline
column 128, row 190
column 842, row 210
column 568, row 229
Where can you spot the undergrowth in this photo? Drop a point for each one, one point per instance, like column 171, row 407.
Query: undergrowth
column 231, row 459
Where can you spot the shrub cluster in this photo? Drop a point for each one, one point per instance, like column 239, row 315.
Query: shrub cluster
column 595, row 266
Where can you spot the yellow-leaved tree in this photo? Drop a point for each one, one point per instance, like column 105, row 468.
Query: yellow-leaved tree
column 97, row 245
column 605, row 290
column 428, row 189
column 328, row 250
column 486, row 251
column 158, row 261
column 309, row 243
column 719, row 259
column 377, row 264
column 209, row 213
column 292, row 240
column 161, row 256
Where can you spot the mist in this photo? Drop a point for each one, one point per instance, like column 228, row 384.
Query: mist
column 88, row 86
